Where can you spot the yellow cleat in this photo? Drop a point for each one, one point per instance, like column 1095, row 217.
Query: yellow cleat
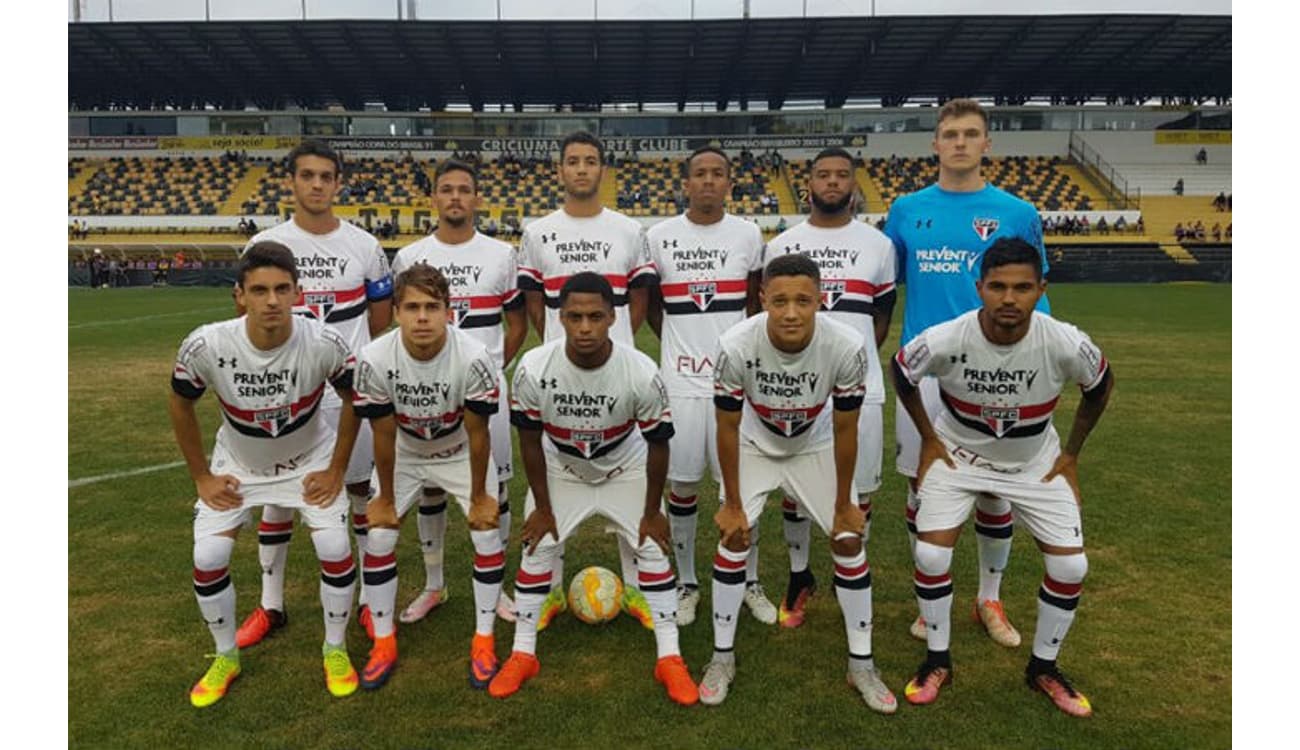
column 634, row 604
column 212, row 686
column 554, row 604
column 340, row 677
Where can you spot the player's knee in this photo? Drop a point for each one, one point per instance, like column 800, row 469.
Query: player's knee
column 848, row 546
column 433, row 496
column 331, row 544
column 212, row 552
column 381, row 540
column 359, row 489
column 684, row 489
column 1069, row 568
column 735, row 545
column 931, row 559
column 992, row 505
column 276, row 514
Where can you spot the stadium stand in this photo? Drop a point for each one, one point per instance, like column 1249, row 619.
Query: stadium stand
column 157, row 187
column 1041, row 180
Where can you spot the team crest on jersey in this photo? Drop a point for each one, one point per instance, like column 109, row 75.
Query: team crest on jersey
column 985, row 227
column 588, row 441
column 459, row 309
column 273, row 420
column 703, row 293
column 789, row 422
column 425, row 427
column 1000, row 419
column 831, row 292
column 320, row 303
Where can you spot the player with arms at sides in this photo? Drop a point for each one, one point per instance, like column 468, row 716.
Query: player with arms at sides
column 788, row 385
column 346, row 284
column 940, row 234
column 594, row 424
column 708, row 263
column 1000, row 371
column 486, row 304
column 583, row 235
column 857, row 284
column 429, row 390
column 274, row 449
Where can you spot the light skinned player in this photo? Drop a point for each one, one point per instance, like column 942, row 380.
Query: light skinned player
column 581, row 236
column 429, row 391
column 788, row 386
column 1000, row 371
column 708, row 263
column 594, row 425
column 273, row 449
column 940, row 234
column 482, row 274
column 346, row 284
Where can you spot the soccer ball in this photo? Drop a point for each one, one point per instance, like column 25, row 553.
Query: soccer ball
column 595, row 595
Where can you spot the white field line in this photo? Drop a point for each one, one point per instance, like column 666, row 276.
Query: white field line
column 120, row 474
column 122, row 321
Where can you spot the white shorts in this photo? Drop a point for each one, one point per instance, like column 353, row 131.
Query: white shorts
column 620, row 500
column 694, row 444
column 412, row 475
column 1050, row 511
column 362, row 460
column 807, row 478
column 283, row 489
column 871, row 439
column 908, row 448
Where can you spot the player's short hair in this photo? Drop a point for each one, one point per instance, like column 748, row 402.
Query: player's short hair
column 960, row 107
column 264, row 254
column 582, row 136
column 708, row 150
column 833, row 152
column 447, row 166
column 588, row 282
column 1008, row 251
column 792, row 264
column 424, row 277
column 314, row 147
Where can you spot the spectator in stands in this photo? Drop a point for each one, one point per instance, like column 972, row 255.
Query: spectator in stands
column 1199, row 231
column 243, row 226
column 97, row 268
column 1102, row 227
column 1179, row 232
column 1217, row 232
column 1120, row 224
column 252, row 227
column 1141, row 226
column 1220, row 202
column 781, row 225
column 491, row 229
column 160, row 272
column 1202, row 157
column 1178, row 187
column 1227, row 232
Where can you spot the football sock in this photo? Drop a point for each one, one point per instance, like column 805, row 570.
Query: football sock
column 214, row 590
column 751, row 560
column 1057, row 599
column 933, row 584
column 912, row 505
column 798, row 534
column 993, row 529
column 557, row 566
column 728, row 592
column 273, row 535
column 360, row 527
column 489, row 569
column 627, row 561
column 532, row 584
column 798, row 582
column 338, row 572
column 503, row 513
column 432, row 523
column 656, row 581
column 864, row 504
column 682, row 520
column 379, row 572
column 853, row 591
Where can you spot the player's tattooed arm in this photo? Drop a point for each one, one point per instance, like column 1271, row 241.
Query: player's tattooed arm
column 217, row 491
column 1091, row 407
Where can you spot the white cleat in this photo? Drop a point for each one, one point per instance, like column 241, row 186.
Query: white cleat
column 688, row 600
column 717, row 681
column 422, row 605
column 877, row 696
column 759, row 605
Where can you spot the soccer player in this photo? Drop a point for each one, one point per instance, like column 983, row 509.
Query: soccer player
column 486, row 304
column 940, row 234
column 346, row 284
column 775, row 375
column 604, row 412
column 1000, row 370
column 708, row 263
column 429, row 389
column 585, row 236
column 274, row 449
column 857, row 288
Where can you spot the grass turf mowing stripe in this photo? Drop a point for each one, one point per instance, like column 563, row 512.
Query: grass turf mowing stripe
column 120, row 474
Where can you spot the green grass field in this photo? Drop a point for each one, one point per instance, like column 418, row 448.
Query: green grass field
column 1151, row 645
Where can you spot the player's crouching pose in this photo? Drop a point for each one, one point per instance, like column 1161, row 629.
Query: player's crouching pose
column 275, row 449
column 1000, row 371
column 773, row 378
column 418, row 385
column 600, row 404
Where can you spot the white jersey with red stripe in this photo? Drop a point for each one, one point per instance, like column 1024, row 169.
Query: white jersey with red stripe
column 785, row 396
column 703, row 274
column 857, row 267
column 340, row 274
column 998, row 400
column 558, row 245
column 596, row 422
column 483, row 279
column 427, row 398
column 270, row 400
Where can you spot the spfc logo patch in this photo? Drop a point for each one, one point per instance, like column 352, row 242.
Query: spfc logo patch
column 789, row 422
column 703, row 293
column 587, row 442
column 273, row 420
column 320, row 303
column 1000, row 419
column 831, row 293
column 459, row 308
column 985, row 227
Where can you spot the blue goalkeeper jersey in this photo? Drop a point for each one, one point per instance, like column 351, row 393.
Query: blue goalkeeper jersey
column 940, row 237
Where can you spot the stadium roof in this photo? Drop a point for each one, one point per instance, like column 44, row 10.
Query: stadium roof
column 407, row 65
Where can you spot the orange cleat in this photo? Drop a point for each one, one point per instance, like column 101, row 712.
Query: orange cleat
column 924, row 687
column 259, row 624
column 383, row 658
column 517, row 670
column 483, row 664
column 671, row 671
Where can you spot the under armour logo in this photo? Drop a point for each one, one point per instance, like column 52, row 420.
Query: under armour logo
column 670, row 243
column 927, row 222
column 392, row 374
column 954, row 359
column 218, row 621
column 544, row 383
column 548, row 238
column 268, row 571
column 721, row 618
column 752, row 363
column 221, row 362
